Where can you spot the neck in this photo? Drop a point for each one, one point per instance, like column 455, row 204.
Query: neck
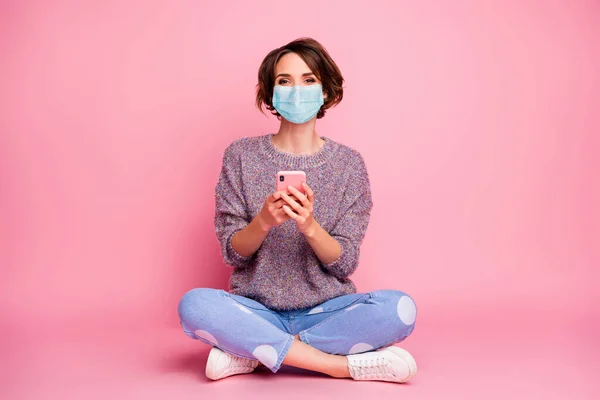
column 298, row 138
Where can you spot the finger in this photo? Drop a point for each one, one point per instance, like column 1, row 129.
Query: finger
column 309, row 192
column 280, row 213
column 291, row 202
column 290, row 196
column 299, row 195
column 279, row 203
column 304, row 212
column 290, row 213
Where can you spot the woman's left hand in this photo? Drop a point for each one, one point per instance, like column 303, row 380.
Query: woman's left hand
column 301, row 209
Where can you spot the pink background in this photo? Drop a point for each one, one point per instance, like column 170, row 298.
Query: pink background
column 480, row 127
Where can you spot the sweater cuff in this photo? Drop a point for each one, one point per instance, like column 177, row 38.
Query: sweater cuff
column 235, row 259
column 338, row 267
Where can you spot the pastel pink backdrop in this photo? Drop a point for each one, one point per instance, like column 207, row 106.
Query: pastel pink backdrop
column 479, row 124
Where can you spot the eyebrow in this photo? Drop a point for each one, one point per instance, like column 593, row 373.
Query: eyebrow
column 289, row 76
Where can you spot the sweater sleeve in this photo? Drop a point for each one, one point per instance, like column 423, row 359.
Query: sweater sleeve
column 230, row 208
column 354, row 215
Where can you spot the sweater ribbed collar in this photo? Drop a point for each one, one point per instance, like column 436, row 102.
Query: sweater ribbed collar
column 292, row 161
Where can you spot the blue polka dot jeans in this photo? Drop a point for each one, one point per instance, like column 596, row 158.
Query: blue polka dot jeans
column 348, row 324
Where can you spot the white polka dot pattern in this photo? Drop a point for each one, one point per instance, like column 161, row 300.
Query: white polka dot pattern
column 360, row 348
column 316, row 310
column 206, row 336
column 266, row 354
column 407, row 310
column 244, row 309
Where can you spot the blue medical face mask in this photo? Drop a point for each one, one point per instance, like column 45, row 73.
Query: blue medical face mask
column 298, row 104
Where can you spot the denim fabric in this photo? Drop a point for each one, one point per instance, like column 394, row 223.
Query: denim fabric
column 348, row 324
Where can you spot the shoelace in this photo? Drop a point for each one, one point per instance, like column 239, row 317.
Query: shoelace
column 238, row 363
column 371, row 368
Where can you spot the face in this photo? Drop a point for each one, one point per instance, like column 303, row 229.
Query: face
column 291, row 70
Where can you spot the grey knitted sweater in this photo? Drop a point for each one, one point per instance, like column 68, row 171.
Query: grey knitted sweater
column 285, row 273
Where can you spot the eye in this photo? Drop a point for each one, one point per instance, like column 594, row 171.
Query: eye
column 310, row 80
column 283, row 81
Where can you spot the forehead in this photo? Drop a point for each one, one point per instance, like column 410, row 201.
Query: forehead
column 291, row 63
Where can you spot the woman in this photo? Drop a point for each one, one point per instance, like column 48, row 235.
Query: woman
column 291, row 300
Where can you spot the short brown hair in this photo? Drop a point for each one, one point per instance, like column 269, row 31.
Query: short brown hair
column 318, row 60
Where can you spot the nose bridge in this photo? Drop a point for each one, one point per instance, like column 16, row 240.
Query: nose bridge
column 297, row 95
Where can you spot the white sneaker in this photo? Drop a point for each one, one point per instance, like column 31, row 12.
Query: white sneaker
column 391, row 364
column 221, row 365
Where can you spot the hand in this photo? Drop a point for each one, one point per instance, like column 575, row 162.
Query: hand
column 271, row 213
column 300, row 208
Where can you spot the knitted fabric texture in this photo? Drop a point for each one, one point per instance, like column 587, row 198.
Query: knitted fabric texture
column 285, row 273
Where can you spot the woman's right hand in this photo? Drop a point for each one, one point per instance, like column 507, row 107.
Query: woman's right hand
column 272, row 214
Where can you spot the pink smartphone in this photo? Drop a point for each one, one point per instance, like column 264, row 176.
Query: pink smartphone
column 290, row 178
